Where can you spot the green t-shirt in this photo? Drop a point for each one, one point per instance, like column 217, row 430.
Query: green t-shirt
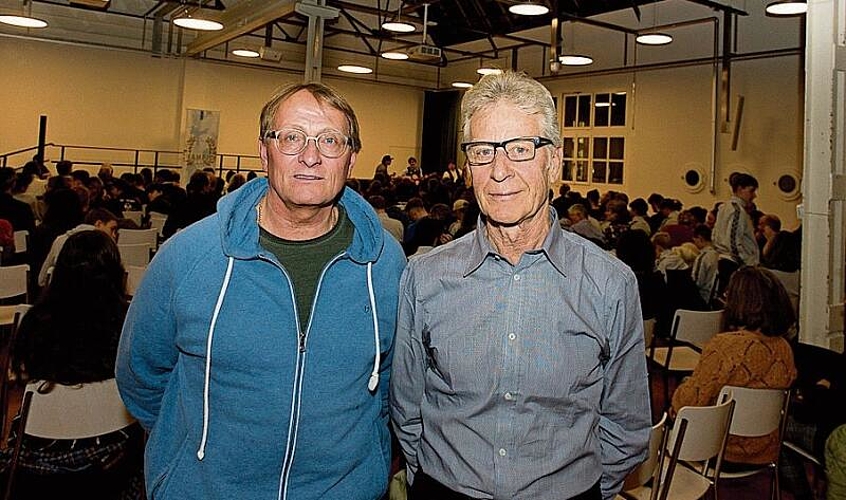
column 305, row 260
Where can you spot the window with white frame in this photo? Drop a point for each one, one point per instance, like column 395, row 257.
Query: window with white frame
column 594, row 138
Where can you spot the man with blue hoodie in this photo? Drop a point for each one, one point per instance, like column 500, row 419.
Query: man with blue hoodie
column 256, row 351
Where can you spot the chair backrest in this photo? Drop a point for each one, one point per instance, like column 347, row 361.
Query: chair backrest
column 75, row 411
column 651, row 466
column 157, row 221
column 13, row 281
column 136, row 216
column 133, row 278
column 21, row 241
column 17, row 313
column 698, row 438
column 134, row 254
column 696, row 327
column 136, row 236
column 758, row 412
column 648, row 331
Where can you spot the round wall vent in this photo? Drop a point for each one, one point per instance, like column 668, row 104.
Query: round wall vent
column 694, row 178
column 788, row 185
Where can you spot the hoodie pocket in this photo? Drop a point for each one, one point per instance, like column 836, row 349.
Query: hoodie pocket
column 162, row 480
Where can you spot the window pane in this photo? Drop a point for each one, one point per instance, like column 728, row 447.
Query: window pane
column 600, row 148
column 568, row 147
column 617, row 148
column 615, row 172
column 581, row 171
column 570, row 111
column 599, row 171
column 568, row 170
column 582, row 147
column 584, row 111
column 618, row 109
column 601, row 110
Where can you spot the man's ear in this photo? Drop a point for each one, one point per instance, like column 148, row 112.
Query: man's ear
column 351, row 164
column 554, row 171
column 263, row 155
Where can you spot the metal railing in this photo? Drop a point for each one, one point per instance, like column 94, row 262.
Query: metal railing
column 124, row 159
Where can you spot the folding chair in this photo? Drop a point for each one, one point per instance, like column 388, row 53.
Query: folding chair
column 21, row 242
column 17, row 312
column 133, row 278
column 696, row 441
column 13, row 283
column 637, row 485
column 690, row 331
column 135, row 254
column 758, row 412
column 68, row 412
column 137, row 236
column 136, row 216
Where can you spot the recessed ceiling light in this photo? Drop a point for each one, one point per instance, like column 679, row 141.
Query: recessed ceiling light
column 654, row 39
column 528, row 9
column 352, row 68
column 488, row 71
column 462, row 85
column 398, row 26
column 245, row 53
column 23, row 21
column 395, row 55
column 787, row 8
column 575, row 60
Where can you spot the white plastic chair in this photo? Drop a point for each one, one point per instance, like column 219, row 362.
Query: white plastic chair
column 17, row 313
column 21, row 241
column 758, row 412
column 157, row 222
column 68, row 412
column 637, row 484
column 694, row 452
column 690, row 331
column 133, row 278
column 136, row 216
column 14, row 281
column 135, row 254
column 137, row 236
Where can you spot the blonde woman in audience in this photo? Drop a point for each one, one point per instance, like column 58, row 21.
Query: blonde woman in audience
column 753, row 352
column 666, row 258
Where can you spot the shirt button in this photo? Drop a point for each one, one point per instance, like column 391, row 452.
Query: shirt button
column 512, row 336
column 516, row 277
column 502, row 452
column 508, row 396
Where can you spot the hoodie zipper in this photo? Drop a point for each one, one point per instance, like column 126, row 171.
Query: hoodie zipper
column 302, row 339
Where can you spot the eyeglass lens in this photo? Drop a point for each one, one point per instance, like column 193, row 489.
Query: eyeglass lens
column 292, row 141
column 515, row 150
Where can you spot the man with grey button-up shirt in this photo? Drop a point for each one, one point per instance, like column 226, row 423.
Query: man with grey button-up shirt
column 519, row 367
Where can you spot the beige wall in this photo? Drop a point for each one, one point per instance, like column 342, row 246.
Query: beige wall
column 104, row 98
column 131, row 100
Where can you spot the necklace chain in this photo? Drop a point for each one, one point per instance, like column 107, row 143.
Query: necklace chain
column 333, row 216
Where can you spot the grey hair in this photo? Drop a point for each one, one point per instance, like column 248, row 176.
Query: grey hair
column 529, row 95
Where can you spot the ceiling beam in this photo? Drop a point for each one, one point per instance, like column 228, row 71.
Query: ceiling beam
column 242, row 18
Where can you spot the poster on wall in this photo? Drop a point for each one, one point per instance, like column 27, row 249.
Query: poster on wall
column 201, row 131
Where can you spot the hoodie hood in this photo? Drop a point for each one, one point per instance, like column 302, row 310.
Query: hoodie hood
column 239, row 231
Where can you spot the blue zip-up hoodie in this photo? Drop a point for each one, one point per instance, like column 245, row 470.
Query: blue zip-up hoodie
column 211, row 365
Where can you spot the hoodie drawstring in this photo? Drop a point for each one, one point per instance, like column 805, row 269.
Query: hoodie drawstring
column 377, row 358
column 201, row 452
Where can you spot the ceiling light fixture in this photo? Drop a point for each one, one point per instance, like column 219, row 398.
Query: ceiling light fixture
column 654, row 39
column 488, row 71
column 352, row 68
column 397, row 25
column 22, row 18
column 575, row 60
column 244, row 52
column 187, row 21
column 787, row 8
column 395, row 55
column 462, row 85
column 528, row 9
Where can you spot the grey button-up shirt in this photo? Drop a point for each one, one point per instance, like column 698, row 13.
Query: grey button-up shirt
column 524, row 381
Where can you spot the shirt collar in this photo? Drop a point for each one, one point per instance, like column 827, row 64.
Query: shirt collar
column 554, row 246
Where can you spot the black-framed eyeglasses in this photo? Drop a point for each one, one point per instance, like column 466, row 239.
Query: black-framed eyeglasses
column 291, row 141
column 517, row 149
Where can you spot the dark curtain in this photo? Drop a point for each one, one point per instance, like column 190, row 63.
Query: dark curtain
column 440, row 129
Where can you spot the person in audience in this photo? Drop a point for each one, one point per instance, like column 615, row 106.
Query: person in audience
column 70, row 337
column 665, row 258
column 98, row 218
column 80, row 178
column 258, row 346
column 18, row 213
column 413, row 168
column 487, row 321
column 383, row 166
column 236, row 181
column 200, row 203
column 669, row 210
column 657, row 218
column 581, row 225
column 393, row 226
column 453, row 174
column 635, row 249
column 637, row 210
column 752, row 352
column 704, row 269
column 617, row 221
column 64, row 212
column 779, row 251
column 106, row 172
column 7, row 243
column 459, row 207
column 734, row 234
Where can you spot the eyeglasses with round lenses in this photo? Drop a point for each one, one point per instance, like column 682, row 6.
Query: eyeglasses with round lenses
column 517, row 149
column 291, row 141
